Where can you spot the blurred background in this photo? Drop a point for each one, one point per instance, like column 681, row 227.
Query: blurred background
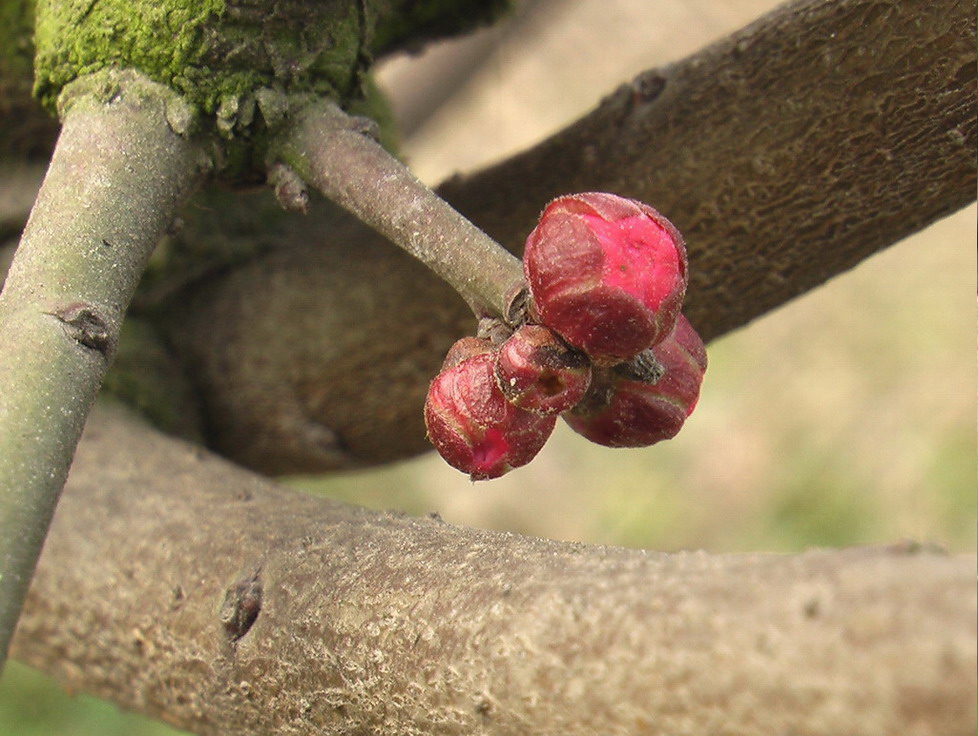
column 846, row 417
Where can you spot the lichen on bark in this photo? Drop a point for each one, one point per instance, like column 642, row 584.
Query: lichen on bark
column 219, row 53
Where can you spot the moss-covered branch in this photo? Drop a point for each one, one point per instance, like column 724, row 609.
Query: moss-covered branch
column 225, row 604
column 122, row 164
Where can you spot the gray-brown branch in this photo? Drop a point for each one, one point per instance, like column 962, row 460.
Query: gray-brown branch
column 785, row 153
column 223, row 604
column 326, row 148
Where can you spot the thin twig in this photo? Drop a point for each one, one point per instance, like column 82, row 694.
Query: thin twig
column 335, row 153
column 121, row 166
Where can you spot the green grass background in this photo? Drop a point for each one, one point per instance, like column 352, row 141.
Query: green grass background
column 846, row 417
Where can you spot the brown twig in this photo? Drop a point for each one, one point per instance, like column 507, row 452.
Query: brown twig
column 337, row 155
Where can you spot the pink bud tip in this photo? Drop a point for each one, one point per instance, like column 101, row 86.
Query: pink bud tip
column 538, row 372
column 619, row 411
column 474, row 427
column 607, row 273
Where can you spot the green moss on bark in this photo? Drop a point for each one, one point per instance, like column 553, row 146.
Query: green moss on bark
column 216, row 53
column 244, row 64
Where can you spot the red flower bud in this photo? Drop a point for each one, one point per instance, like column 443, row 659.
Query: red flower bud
column 538, row 372
column 606, row 273
column 465, row 348
column 474, row 427
column 622, row 410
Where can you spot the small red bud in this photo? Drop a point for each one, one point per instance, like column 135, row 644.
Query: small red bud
column 474, row 427
column 622, row 411
column 606, row 273
column 465, row 348
column 538, row 372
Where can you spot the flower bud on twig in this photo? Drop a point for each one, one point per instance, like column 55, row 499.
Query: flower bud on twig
column 474, row 427
column 606, row 273
column 621, row 411
column 538, row 372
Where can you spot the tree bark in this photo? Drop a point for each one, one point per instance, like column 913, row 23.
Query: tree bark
column 786, row 153
column 221, row 603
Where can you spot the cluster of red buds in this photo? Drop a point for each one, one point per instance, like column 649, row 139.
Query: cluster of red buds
column 606, row 346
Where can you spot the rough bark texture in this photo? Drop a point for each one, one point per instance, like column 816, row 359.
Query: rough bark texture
column 224, row 604
column 785, row 153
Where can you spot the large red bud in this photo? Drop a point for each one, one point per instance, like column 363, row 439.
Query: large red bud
column 607, row 273
column 621, row 410
column 474, row 427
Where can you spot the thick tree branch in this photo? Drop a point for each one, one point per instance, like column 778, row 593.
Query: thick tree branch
column 118, row 173
column 786, row 153
column 224, row 604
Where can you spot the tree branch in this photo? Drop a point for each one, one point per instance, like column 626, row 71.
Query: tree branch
column 786, row 153
column 118, row 173
column 223, row 603
column 326, row 149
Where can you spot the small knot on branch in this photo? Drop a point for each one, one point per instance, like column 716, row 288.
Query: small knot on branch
column 242, row 604
column 84, row 324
